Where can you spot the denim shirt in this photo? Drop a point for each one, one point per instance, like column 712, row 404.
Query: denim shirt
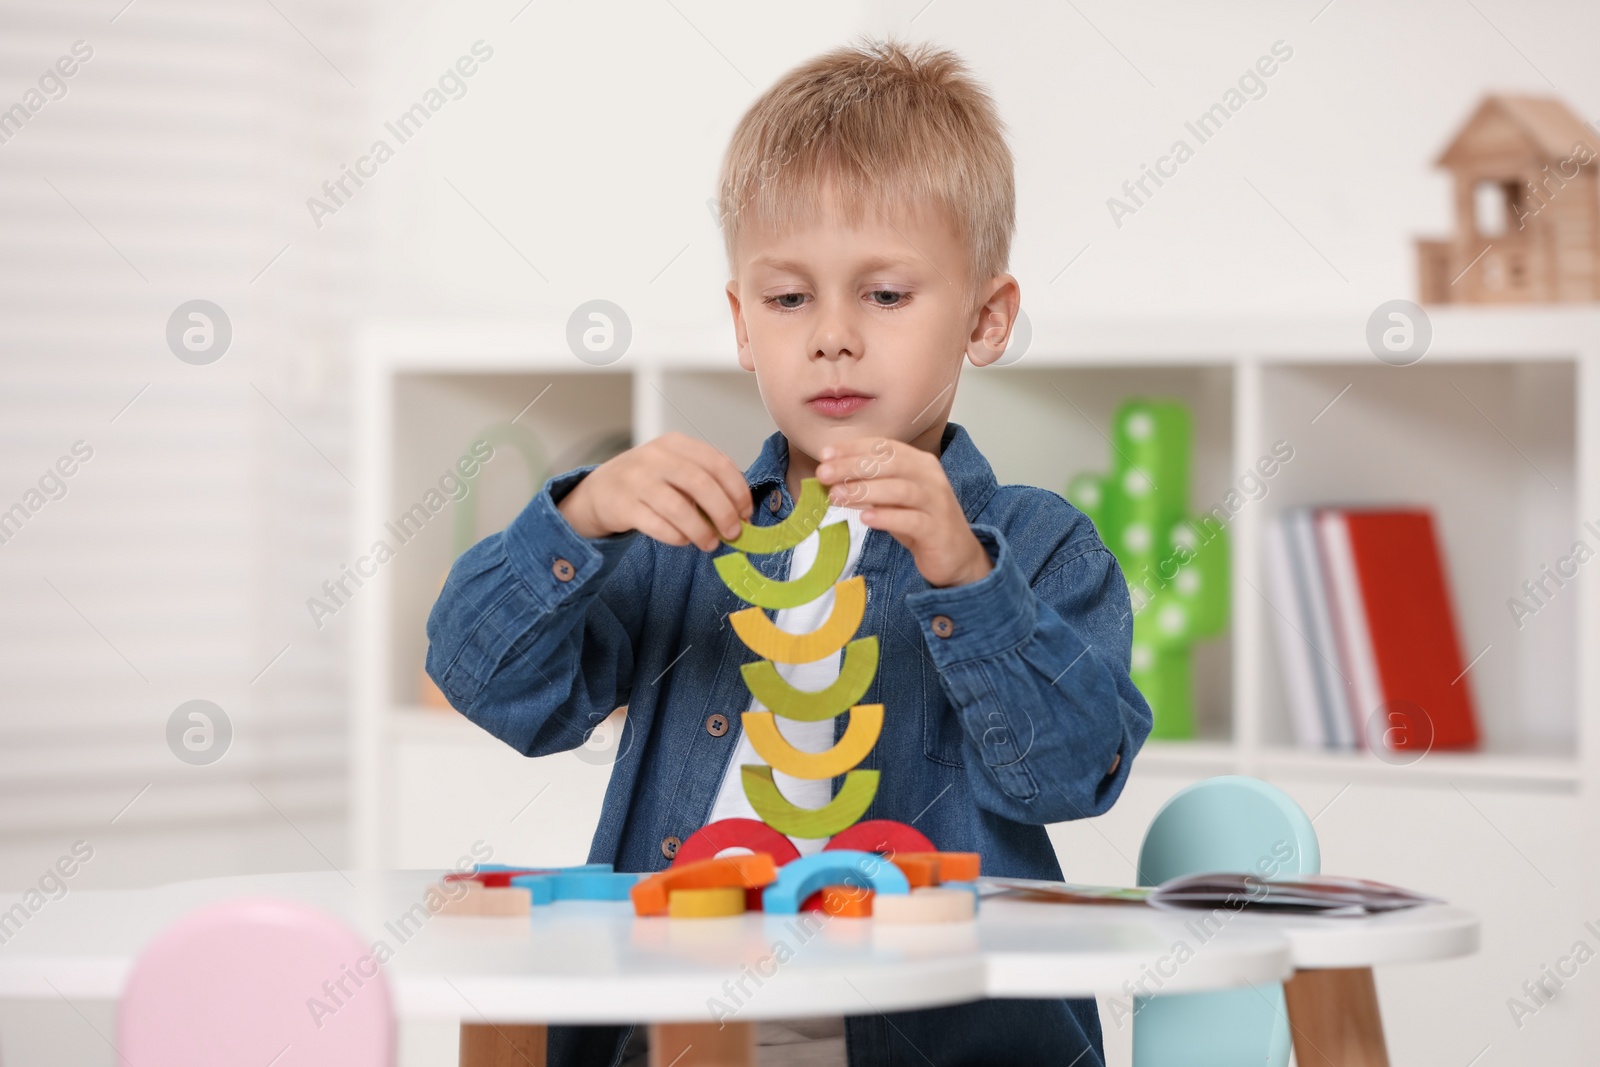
column 1015, row 711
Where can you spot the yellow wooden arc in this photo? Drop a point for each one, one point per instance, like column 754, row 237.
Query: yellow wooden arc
column 769, row 642
column 866, row 723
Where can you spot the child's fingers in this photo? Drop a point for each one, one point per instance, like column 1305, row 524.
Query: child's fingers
column 668, row 501
column 652, row 525
column 912, row 524
column 860, row 492
column 721, row 470
column 710, row 495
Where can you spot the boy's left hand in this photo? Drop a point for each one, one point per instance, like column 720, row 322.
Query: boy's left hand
column 903, row 489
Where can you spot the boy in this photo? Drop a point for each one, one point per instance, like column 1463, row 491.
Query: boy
column 868, row 208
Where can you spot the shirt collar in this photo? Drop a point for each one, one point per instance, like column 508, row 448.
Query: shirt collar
column 969, row 472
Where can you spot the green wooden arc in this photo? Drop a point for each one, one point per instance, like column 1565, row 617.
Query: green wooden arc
column 847, row 806
column 751, row 585
column 804, row 705
column 809, row 511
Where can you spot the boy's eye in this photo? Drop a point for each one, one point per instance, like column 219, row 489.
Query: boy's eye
column 888, row 299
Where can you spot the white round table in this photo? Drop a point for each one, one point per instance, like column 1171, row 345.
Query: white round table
column 594, row 962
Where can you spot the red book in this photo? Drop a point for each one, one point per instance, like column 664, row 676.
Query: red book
column 1398, row 629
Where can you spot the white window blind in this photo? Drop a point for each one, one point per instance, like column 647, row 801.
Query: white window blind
column 173, row 165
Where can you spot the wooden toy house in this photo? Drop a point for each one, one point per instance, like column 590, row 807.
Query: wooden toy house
column 1526, row 207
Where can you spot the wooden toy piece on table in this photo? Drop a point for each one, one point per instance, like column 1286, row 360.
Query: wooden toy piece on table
column 922, row 870
column 953, row 866
column 577, row 885
column 487, row 889
column 800, row 878
column 883, row 836
column 846, row 901
column 652, row 895
column 926, row 904
column 499, row 875
column 715, row 902
column 475, row 898
column 752, row 834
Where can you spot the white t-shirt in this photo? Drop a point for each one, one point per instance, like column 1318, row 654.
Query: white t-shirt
column 731, row 802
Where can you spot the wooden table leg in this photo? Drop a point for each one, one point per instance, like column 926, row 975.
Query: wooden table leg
column 1333, row 1015
column 487, row 1045
column 703, row 1044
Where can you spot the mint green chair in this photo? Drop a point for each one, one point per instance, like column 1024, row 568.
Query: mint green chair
column 1237, row 824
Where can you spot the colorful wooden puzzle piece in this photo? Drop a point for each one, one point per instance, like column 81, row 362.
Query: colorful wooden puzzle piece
column 810, row 508
column 751, row 585
column 577, row 885
column 499, row 876
column 848, row 805
column 798, row 879
column 474, row 898
column 805, row 705
column 861, row 860
column 652, row 895
column 952, row 866
column 769, row 642
column 714, row 902
column 866, row 723
column 929, row 904
column 851, row 902
column 881, row 835
column 752, row 834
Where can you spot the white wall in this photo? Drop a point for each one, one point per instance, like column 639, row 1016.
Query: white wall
column 592, row 140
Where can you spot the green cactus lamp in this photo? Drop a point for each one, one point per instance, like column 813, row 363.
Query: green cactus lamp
column 1176, row 565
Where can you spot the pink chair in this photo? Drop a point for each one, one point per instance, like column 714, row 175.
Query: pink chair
column 257, row 980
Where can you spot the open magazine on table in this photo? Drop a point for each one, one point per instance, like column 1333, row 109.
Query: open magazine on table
column 1324, row 895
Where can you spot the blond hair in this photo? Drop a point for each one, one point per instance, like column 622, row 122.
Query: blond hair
column 896, row 127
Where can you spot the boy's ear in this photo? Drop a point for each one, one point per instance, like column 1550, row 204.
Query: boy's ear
column 741, row 332
column 992, row 325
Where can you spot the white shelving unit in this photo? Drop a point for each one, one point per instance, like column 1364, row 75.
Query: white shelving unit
column 1497, row 429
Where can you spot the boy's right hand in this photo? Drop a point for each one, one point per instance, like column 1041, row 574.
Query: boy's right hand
column 665, row 488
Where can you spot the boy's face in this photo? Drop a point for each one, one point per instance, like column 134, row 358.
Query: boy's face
column 884, row 310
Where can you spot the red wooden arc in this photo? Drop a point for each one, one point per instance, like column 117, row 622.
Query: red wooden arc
column 881, row 836
column 752, row 834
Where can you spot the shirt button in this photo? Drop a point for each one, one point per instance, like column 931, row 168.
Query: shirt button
column 1116, row 761
column 942, row 626
column 669, row 846
column 563, row 570
column 775, row 500
column 717, row 725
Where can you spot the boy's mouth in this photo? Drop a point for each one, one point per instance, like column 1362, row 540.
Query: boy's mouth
column 838, row 402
